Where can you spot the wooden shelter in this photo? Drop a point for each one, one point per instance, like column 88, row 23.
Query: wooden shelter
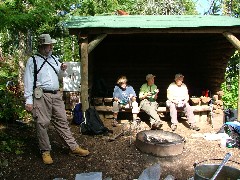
column 199, row 47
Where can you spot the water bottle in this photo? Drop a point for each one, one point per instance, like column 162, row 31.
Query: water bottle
column 223, row 142
column 231, row 143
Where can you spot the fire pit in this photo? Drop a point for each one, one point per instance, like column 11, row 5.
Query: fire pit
column 160, row 143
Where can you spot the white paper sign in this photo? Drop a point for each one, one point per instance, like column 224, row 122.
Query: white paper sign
column 72, row 81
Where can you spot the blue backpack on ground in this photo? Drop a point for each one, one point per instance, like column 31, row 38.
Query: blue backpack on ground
column 78, row 114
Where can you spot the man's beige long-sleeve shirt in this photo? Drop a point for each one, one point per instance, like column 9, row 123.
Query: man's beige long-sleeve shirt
column 177, row 93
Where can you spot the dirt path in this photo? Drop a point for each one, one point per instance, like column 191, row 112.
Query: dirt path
column 119, row 159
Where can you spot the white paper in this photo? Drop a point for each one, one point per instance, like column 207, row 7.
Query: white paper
column 73, row 80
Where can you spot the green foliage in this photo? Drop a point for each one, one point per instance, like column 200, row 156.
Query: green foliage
column 233, row 66
column 224, row 7
column 164, row 7
column 230, row 86
column 10, row 144
column 11, row 101
column 96, row 7
column 231, row 7
column 69, row 49
column 37, row 16
column 190, row 7
column 12, row 106
column 230, row 90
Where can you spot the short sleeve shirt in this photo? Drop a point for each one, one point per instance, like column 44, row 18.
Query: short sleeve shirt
column 123, row 95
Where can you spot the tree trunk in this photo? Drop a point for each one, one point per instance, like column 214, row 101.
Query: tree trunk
column 84, row 74
column 21, row 62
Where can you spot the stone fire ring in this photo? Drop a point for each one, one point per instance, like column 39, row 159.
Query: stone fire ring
column 160, row 143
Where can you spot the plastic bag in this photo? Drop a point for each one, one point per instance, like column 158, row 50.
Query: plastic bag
column 89, row 176
column 151, row 173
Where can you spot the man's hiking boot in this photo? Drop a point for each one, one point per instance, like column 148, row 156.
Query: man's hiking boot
column 137, row 121
column 114, row 123
column 47, row 159
column 156, row 126
column 79, row 152
column 173, row 127
column 194, row 127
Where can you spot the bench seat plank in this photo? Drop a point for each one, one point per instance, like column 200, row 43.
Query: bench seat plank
column 160, row 109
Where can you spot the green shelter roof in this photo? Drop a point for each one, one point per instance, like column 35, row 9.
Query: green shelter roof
column 151, row 21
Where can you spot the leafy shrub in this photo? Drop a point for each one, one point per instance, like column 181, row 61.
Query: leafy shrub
column 230, row 86
column 11, row 98
column 10, row 144
column 230, row 90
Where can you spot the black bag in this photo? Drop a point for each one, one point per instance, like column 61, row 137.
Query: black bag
column 232, row 129
column 230, row 115
column 93, row 125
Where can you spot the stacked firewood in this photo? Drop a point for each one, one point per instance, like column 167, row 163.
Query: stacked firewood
column 218, row 103
column 71, row 99
column 205, row 100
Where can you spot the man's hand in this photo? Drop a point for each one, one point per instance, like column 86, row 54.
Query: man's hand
column 63, row 67
column 148, row 94
column 156, row 95
column 29, row 107
column 156, row 91
column 175, row 102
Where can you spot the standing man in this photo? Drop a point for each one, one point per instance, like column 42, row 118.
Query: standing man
column 178, row 97
column 148, row 95
column 43, row 98
column 124, row 96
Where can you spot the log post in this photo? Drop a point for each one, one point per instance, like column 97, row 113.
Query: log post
column 204, row 103
column 196, row 102
column 95, row 42
column 236, row 43
column 84, row 73
column 85, row 49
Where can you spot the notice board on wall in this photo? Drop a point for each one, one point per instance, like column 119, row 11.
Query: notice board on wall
column 73, row 80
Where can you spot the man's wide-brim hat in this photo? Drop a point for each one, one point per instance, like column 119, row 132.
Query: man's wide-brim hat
column 46, row 39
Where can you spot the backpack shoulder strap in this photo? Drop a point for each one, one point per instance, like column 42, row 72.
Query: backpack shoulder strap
column 45, row 61
column 54, row 58
column 35, row 72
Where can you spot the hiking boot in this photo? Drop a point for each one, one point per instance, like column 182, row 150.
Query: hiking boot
column 114, row 123
column 156, row 126
column 173, row 127
column 194, row 127
column 137, row 121
column 47, row 159
column 80, row 152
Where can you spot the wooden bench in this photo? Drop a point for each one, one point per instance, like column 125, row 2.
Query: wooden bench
column 201, row 113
